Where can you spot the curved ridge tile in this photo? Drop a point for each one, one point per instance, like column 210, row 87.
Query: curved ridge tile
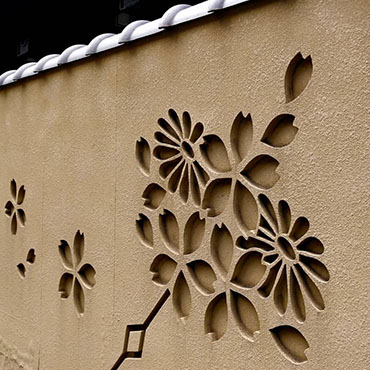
column 94, row 43
column 5, row 75
column 214, row 5
column 169, row 16
column 64, row 57
column 126, row 34
column 41, row 63
column 19, row 72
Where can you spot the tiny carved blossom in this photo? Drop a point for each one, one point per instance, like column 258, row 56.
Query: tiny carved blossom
column 178, row 260
column 177, row 152
column 12, row 207
column 242, row 169
column 229, row 298
column 78, row 275
column 283, row 260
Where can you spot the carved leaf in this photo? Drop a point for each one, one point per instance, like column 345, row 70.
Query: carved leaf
column 241, row 136
column 245, row 315
column 291, row 343
column 215, row 323
column 215, row 154
column 203, row 276
column 280, row 132
column 297, row 76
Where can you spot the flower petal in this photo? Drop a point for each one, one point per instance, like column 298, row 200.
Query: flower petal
column 170, row 132
column 166, row 168
column 13, row 189
column 297, row 76
column 87, row 274
column 216, row 196
column 249, row 270
column 65, row 254
column 78, row 247
column 215, row 321
column 162, row 152
column 296, row 297
column 21, row 217
column 170, row 231
column 163, row 139
column 21, row 270
column 13, row 225
column 79, row 297
column 245, row 208
column 215, row 154
column 194, row 186
column 291, row 343
column 197, row 132
column 252, row 242
column 300, row 228
column 175, row 177
column 261, row 171
column 181, row 297
column 203, row 276
column 269, row 213
column 201, row 173
column 143, row 155
column 175, row 121
column 265, row 289
column 222, row 248
column 145, row 230
column 31, row 256
column 21, row 195
column 311, row 245
column 284, row 217
column 193, row 233
column 65, row 285
column 9, row 208
column 241, row 136
column 245, row 315
column 153, row 196
column 281, row 292
column 186, row 124
column 162, row 269
column 184, row 184
column 280, row 132
column 310, row 288
column 315, row 267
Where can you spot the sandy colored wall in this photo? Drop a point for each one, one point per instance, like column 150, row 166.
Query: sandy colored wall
column 269, row 256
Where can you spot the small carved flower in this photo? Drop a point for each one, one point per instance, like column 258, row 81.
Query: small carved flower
column 240, row 169
column 282, row 260
column 77, row 275
column 12, row 209
column 227, row 300
column 179, row 257
column 176, row 150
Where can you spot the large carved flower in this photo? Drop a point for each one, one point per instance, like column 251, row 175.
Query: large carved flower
column 78, row 275
column 238, row 167
column 177, row 152
column 178, row 259
column 12, row 207
column 283, row 260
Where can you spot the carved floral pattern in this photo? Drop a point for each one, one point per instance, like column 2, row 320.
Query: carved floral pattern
column 12, row 207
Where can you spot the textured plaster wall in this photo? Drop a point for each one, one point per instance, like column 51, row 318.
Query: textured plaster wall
column 70, row 137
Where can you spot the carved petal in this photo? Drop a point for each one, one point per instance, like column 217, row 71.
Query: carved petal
column 65, row 285
column 66, row 254
column 291, row 343
column 153, row 196
column 162, row 269
column 181, row 297
column 280, row 132
column 79, row 297
column 245, row 315
column 215, row 154
column 216, row 196
column 143, row 155
column 170, row 231
column 241, row 136
column 145, row 230
column 21, row 195
column 261, row 171
column 87, row 274
column 194, row 232
column 78, row 247
column 215, row 322
column 203, row 276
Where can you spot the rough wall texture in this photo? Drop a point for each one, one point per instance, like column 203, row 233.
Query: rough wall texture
column 257, row 223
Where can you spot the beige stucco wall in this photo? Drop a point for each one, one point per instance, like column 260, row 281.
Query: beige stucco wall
column 69, row 136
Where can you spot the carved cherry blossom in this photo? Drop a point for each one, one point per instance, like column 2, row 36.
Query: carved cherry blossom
column 12, row 209
column 282, row 260
column 242, row 309
column 77, row 276
column 176, row 151
column 178, row 261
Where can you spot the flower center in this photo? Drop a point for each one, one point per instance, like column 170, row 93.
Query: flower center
column 286, row 248
column 187, row 149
